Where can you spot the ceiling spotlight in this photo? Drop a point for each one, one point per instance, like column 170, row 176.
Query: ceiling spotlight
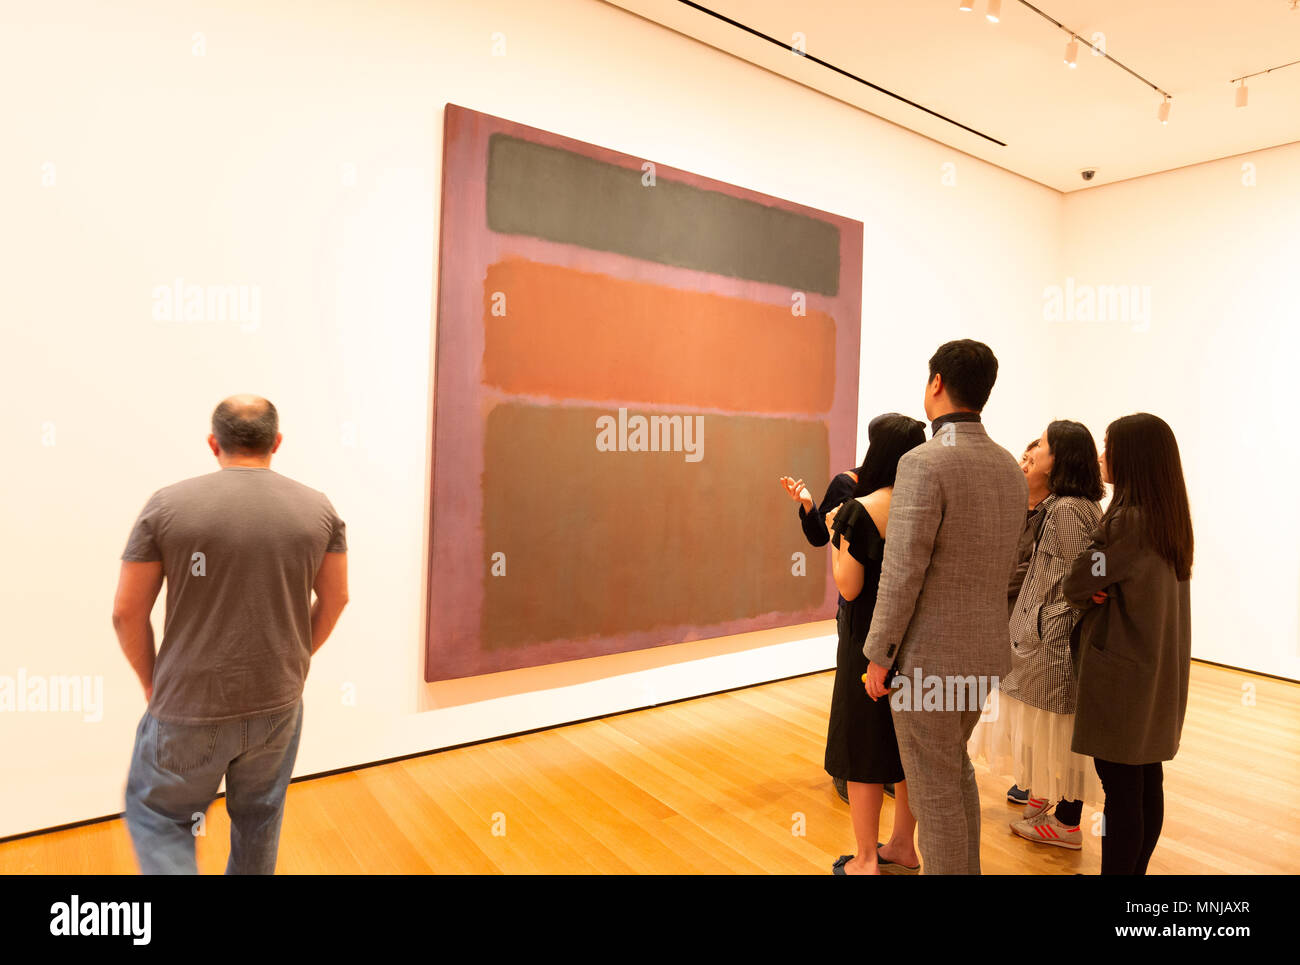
column 1242, row 93
column 967, row 6
column 1164, row 111
column 995, row 11
column 1072, row 53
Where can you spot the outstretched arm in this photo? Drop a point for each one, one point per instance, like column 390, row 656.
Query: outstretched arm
column 814, row 522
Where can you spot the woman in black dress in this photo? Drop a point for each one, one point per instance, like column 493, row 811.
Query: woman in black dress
column 815, row 517
column 860, row 744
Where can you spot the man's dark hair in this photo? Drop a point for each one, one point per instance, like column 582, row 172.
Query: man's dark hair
column 245, row 429
column 1075, row 471
column 968, row 369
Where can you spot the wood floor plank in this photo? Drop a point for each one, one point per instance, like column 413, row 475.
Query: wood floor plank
column 730, row 783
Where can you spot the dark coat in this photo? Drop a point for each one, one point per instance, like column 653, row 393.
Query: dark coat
column 1134, row 650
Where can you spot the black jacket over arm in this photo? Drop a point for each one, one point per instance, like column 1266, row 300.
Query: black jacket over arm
column 814, row 523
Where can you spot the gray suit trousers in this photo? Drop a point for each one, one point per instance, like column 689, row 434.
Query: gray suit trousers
column 941, row 787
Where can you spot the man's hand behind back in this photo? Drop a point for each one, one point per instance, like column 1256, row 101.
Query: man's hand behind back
column 331, row 588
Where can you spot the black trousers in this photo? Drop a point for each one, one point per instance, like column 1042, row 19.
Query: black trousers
column 1133, row 814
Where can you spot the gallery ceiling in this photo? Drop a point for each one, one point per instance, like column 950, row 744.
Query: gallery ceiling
column 1008, row 81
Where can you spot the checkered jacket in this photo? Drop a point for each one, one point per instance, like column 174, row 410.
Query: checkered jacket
column 1042, row 672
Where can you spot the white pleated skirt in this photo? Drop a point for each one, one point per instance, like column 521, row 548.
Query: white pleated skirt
column 1032, row 747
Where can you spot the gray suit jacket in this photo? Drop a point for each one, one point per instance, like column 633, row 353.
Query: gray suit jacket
column 955, row 520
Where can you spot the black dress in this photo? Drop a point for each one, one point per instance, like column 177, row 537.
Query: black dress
column 860, row 742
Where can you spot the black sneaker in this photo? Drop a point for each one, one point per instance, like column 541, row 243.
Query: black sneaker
column 1016, row 795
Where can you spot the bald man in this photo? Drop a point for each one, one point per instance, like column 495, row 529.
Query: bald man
column 241, row 549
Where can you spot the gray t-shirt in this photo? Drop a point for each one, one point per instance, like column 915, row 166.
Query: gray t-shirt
column 240, row 550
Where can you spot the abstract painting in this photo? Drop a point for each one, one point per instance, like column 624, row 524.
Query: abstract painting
column 628, row 357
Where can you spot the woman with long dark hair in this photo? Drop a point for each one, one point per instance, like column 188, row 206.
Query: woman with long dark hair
column 861, row 747
column 1134, row 640
column 1028, row 727
column 839, row 491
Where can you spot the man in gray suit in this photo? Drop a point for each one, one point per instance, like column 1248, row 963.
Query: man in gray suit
column 940, row 620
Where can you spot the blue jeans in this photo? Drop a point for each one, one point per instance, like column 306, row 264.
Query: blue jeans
column 176, row 770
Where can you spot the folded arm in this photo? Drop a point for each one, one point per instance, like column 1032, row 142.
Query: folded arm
column 1102, row 563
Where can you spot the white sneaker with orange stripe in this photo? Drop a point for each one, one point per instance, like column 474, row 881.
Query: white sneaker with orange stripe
column 1046, row 829
column 1033, row 807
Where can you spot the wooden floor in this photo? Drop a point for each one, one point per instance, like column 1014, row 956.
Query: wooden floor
column 718, row 785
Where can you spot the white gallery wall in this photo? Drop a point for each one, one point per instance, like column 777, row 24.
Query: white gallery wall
column 1214, row 250
column 294, row 151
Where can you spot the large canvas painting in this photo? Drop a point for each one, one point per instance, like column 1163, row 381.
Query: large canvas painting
column 629, row 356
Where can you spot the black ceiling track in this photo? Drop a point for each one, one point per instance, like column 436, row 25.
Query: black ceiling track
column 839, row 70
